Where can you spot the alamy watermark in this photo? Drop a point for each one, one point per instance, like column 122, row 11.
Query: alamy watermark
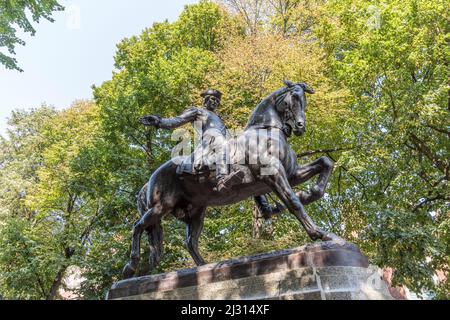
column 211, row 147
column 73, row 17
column 374, row 21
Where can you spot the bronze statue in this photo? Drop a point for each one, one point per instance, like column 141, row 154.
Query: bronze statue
column 213, row 134
column 269, row 164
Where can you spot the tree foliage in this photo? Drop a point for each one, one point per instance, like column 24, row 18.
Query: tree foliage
column 69, row 178
column 393, row 57
column 21, row 14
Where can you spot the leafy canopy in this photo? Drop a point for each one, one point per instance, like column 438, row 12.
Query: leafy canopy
column 69, row 178
column 20, row 14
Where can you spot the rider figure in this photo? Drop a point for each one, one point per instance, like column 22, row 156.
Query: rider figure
column 213, row 133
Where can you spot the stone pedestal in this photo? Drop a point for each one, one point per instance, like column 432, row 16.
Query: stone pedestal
column 320, row 271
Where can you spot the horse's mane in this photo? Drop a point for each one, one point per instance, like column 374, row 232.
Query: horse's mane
column 271, row 100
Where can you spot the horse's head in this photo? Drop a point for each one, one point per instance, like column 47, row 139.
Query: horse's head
column 283, row 109
column 291, row 107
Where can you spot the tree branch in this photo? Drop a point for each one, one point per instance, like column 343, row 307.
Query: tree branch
column 313, row 152
column 429, row 200
column 351, row 175
column 438, row 129
column 426, row 151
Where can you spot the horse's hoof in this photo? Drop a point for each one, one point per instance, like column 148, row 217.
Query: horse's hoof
column 329, row 236
column 128, row 272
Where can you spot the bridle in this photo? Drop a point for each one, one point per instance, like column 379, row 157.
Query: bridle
column 288, row 114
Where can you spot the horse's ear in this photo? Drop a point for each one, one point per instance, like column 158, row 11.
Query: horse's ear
column 288, row 83
column 307, row 88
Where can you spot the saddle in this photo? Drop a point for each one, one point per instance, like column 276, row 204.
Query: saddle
column 238, row 173
column 186, row 167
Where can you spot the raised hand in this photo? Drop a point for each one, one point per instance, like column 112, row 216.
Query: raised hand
column 150, row 120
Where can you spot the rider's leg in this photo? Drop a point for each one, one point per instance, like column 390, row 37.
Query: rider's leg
column 226, row 179
column 222, row 163
column 197, row 159
column 222, row 171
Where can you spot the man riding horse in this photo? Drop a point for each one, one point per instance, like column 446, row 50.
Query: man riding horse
column 214, row 134
column 274, row 120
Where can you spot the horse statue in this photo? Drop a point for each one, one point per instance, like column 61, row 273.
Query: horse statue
column 262, row 152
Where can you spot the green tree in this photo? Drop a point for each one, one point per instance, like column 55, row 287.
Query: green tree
column 22, row 272
column 393, row 57
column 20, row 14
column 327, row 45
column 20, row 156
column 69, row 179
column 58, row 203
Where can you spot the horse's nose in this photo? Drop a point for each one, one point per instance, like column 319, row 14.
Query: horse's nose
column 301, row 125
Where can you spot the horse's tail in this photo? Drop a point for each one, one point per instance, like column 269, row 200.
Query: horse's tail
column 142, row 203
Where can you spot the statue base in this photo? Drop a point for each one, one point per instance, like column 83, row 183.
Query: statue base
column 319, row 271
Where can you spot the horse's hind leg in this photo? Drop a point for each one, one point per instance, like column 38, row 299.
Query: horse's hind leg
column 155, row 239
column 194, row 228
column 150, row 218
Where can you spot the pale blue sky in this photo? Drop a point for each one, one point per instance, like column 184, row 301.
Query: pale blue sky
column 66, row 57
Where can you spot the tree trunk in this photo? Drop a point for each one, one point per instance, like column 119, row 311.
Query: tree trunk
column 261, row 228
column 256, row 223
column 53, row 294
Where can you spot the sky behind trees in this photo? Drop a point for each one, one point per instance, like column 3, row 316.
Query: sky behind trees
column 66, row 57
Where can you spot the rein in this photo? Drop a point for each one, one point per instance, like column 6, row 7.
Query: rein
column 288, row 114
column 275, row 100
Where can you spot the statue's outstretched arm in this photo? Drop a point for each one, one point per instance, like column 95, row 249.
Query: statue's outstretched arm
column 187, row 116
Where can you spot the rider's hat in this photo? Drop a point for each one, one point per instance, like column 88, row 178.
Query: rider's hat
column 212, row 92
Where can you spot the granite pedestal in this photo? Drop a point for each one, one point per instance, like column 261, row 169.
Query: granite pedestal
column 320, row 271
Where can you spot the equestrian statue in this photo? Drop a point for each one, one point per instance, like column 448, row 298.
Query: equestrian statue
column 224, row 170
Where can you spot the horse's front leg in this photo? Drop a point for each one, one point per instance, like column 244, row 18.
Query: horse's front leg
column 322, row 167
column 266, row 210
column 279, row 183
